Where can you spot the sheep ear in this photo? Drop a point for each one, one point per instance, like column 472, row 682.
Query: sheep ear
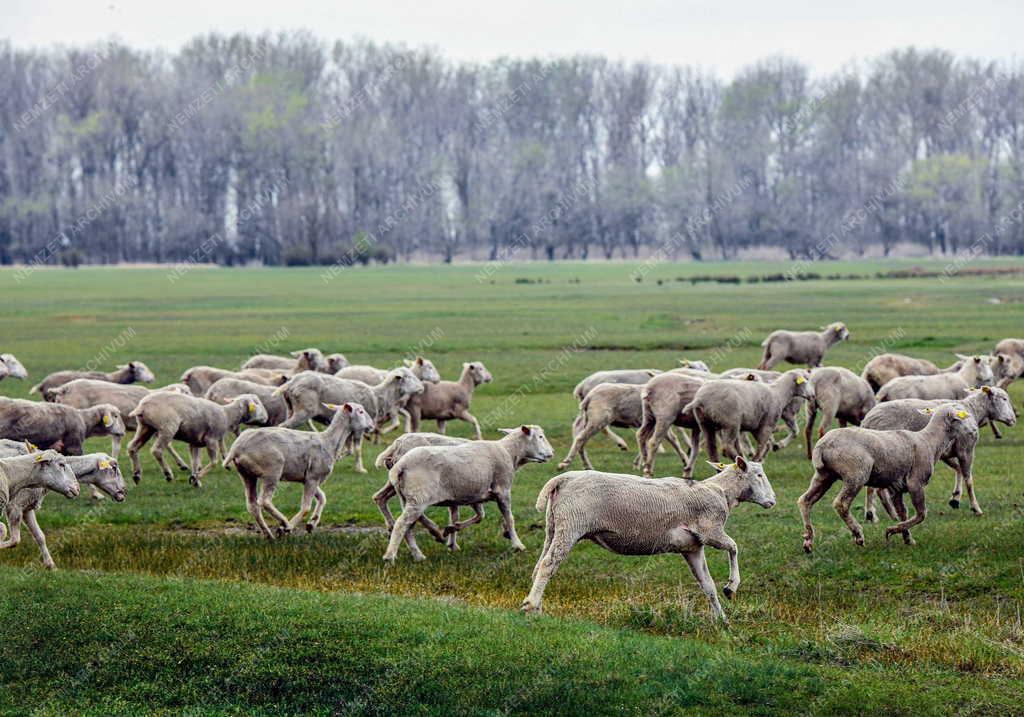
column 961, row 356
column 751, row 377
column 525, row 430
column 684, row 363
column 986, row 389
column 741, row 463
column 295, row 354
column 419, row 360
column 977, row 359
column 346, row 407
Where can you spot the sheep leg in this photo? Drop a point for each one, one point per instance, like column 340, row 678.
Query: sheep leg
column 212, row 446
column 433, row 528
column 764, row 441
column 969, row 480
column 142, row 434
column 162, row 441
column 995, row 429
column 115, row 445
column 643, row 435
column 650, row 446
column 467, row 416
column 456, row 526
column 359, row 455
column 958, row 486
column 505, row 506
column 381, row 498
column 812, row 415
column 820, row 483
column 40, row 538
column 888, row 502
column 899, row 512
column 842, row 504
column 694, row 452
column 731, row 443
column 309, row 489
column 673, row 441
column 403, row 526
column 267, row 503
column 792, row 431
column 616, row 439
column 194, row 465
column 396, row 421
column 579, row 441
column 312, row 426
column 14, row 534
column 722, row 541
column 828, row 414
column 177, row 458
column 450, row 530
column 557, row 548
column 869, row 505
column 712, row 442
column 920, row 513
column 699, row 567
column 321, row 501
column 222, row 448
column 442, row 426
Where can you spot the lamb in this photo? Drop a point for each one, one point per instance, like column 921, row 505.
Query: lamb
column 226, row 389
column 629, row 515
column 635, row 376
column 51, row 425
column 266, row 456
column 304, row 360
column 840, row 394
column 806, row 347
column 131, row 372
column 448, row 400
column 11, row 367
column 405, row 443
column 901, row 461
column 607, row 405
column 662, row 400
column 307, row 393
column 974, row 372
column 95, row 469
column 195, row 421
column 885, row 367
column 23, row 476
column 986, row 404
column 736, row 406
column 467, row 474
column 200, row 378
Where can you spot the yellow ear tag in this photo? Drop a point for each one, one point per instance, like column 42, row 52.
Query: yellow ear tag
column 106, row 420
column 800, row 380
column 33, row 447
column 104, row 465
column 961, row 415
column 721, row 466
column 252, row 407
column 40, row 458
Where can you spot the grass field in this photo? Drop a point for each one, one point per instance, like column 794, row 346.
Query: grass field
column 172, row 602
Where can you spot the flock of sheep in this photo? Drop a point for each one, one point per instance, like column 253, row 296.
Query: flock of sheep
column 897, row 420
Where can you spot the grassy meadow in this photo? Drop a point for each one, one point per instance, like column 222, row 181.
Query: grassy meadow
column 172, row 602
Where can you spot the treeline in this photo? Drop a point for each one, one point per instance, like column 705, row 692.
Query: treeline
column 286, row 150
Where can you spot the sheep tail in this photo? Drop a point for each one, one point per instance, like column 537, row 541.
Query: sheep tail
column 35, row 389
column 549, row 492
column 230, row 457
column 383, row 456
column 279, row 390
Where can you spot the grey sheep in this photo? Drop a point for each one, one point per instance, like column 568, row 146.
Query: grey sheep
column 196, row 421
column 21, row 477
column 11, row 367
column 629, row 515
column 131, row 372
column 421, row 368
column 731, row 407
column 51, row 425
column 98, row 470
column 449, row 400
column 638, row 376
column 841, row 395
column 662, row 400
column 986, row 404
column 304, row 360
column 901, row 461
column 306, row 394
column 883, row 368
column 200, row 378
column 801, row 347
column 604, row 406
column 227, row 389
column 266, row 456
column 975, row 371
column 468, row 474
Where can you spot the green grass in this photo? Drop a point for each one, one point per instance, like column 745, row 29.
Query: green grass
column 179, row 607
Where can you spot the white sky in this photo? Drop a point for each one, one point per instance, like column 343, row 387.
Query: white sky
column 723, row 36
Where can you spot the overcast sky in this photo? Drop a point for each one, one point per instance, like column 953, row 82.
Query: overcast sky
column 723, row 35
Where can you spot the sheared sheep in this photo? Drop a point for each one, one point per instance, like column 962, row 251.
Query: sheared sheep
column 196, row 421
column 885, row 367
column 51, row 425
column 11, row 367
column 304, row 360
column 662, row 400
column 266, row 456
column 901, row 461
column 1014, row 348
column 200, row 378
column 638, row 376
column 405, row 443
column 131, row 372
column 806, row 347
column 25, row 477
column 306, row 394
column 840, row 394
column 629, row 515
column 448, row 400
column 607, row 405
column 974, row 372
column 421, row 368
column 468, row 474
column 226, row 389
column 732, row 407
column 986, row 404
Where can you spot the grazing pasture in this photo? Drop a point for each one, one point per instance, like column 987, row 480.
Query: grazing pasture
column 174, row 600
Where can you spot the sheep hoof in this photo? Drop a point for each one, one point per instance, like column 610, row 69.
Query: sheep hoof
column 870, row 516
column 529, row 608
column 194, row 481
column 954, row 503
column 310, row 527
column 283, row 531
column 728, row 592
column 858, row 540
column 776, row 447
column 136, row 477
column 419, row 558
column 977, row 511
column 389, row 561
column 449, row 530
column 50, row 566
column 808, row 546
column 519, row 547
